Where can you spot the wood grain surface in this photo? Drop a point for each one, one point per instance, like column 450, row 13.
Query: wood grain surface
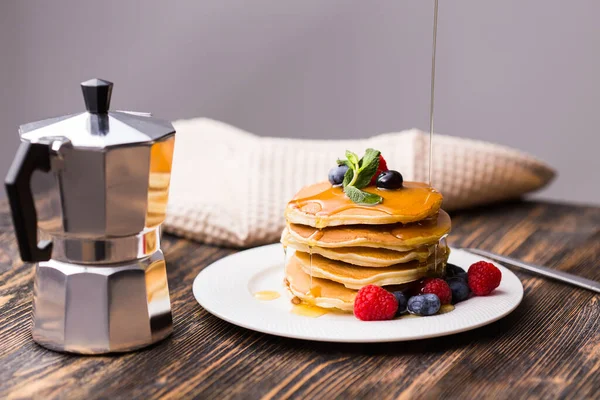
column 548, row 348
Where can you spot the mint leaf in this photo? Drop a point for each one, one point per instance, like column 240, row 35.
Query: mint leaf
column 346, row 163
column 359, row 175
column 356, row 195
column 369, row 164
column 348, row 177
column 352, row 157
column 372, row 199
column 365, row 175
column 370, row 156
column 360, row 197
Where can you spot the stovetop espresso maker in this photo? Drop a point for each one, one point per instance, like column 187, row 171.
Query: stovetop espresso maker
column 94, row 187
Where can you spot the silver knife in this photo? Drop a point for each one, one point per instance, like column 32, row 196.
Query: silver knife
column 538, row 269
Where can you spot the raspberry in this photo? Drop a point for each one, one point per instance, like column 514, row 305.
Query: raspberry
column 373, row 303
column 382, row 167
column 439, row 287
column 483, row 278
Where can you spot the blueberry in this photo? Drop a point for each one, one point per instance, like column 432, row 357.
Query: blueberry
column 390, row 180
column 336, row 174
column 454, row 271
column 460, row 290
column 460, row 276
column 402, row 302
column 424, row 304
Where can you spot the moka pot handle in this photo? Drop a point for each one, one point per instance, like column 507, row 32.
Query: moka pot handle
column 29, row 158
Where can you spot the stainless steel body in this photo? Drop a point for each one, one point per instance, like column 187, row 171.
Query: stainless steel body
column 112, row 192
column 92, row 310
column 540, row 270
column 94, row 186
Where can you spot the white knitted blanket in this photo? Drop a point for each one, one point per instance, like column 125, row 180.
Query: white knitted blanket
column 230, row 187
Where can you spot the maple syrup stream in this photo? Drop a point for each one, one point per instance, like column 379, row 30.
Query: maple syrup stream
column 431, row 97
column 431, row 108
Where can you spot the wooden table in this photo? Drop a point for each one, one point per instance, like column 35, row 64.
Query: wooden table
column 548, row 348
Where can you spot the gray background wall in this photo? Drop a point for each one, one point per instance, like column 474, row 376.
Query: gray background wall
column 518, row 72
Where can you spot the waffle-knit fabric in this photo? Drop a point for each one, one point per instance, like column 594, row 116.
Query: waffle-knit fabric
column 230, row 187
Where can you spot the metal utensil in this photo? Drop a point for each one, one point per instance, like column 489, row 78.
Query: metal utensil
column 540, row 270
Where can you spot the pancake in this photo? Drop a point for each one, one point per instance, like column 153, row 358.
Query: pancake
column 354, row 277
column 393, row 237
column 362, row 256
column 326, row 294
column 322, row 205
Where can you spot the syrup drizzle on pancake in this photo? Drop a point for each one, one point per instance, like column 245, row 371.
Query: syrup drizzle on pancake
column 324, row 200
column 284, row 257
column 387, row 236
column 443, row 243
column 316, row 235
column 310, row 287
column 313, row 291
column 433, row 225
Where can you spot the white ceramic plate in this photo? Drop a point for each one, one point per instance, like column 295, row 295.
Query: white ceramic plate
column 226, row 287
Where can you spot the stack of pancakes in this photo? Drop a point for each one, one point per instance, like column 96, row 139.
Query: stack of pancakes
column 340, row 246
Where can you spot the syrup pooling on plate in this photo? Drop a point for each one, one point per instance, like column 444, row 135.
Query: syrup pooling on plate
column 307, row 310
column 267, row 295
column 446, row 308
column 323, row 200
